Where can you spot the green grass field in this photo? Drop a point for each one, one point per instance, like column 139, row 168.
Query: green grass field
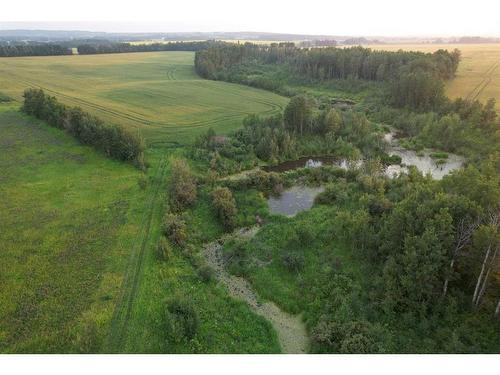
column 69, row 217
column 158, row 93
column 78, row 271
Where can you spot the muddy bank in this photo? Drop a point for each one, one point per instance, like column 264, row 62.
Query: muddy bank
column 291, row 330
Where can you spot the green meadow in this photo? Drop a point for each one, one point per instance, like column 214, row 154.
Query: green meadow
column 78, row 265
column 69, row 217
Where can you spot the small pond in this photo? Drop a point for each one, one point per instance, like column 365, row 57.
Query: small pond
column 300, row 198
column 307, row 162
column 422, row 161
column 294, row 200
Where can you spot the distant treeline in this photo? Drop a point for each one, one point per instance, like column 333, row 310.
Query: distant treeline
column 92, row 49
column 99, row 47
column 115, row 141
column 416, row 78
column 15, row 50
column 326, row 63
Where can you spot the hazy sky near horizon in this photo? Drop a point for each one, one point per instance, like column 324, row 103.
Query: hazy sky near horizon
column 330, row 17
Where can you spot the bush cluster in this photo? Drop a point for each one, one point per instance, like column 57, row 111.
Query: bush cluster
column 115, row 141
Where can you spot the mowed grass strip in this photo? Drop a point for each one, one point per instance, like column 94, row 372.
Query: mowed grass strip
column 158, row 93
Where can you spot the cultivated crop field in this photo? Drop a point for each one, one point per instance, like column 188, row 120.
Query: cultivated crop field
column 158, row 93
column 478, row 75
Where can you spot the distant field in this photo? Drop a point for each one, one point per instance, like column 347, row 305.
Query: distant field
column 158, row 93
column 478, row 75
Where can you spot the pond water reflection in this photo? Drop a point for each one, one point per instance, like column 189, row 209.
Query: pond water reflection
column 294, row 200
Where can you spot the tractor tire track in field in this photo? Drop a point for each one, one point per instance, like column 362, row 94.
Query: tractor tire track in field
column 485, row 81
column 292, row 333
column 123, row 309
column 143, row 121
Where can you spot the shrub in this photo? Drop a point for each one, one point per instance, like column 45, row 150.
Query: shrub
column 334, row 194
column 439, row 155
column 293, row 261
column 181, row 320
column 327, row 334
column 205, row 273
column 225, row 207
column 174, row 227
column 115, row 141
column 235, row 256
column 334, row 336
column 4, row 98
column 182, row 185
column 305, row 233
column 264, row 181
column 357, row 343
column 142, row 182
column 164, row 250
column 391, row 159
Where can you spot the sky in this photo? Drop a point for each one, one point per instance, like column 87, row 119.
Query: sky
column 328, row 17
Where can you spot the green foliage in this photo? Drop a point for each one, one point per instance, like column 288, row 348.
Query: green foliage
column 4, row 98
column 113, row 140
column 181, row 320
column 142, row 182
column 33, row 49
column 182, row 186
column 417, row 89
column 236, row 257
column 77, row 214
column 174, row 227
column 164, row 251
column 205, row 273
column 348, row 338
column 298, row 114
column 415, row 79
column 332, row 122
column 225, row 207
column 293, row 260
column 439, row 155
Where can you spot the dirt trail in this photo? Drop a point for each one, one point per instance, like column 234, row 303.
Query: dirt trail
column 291, row 330
column 133, row 273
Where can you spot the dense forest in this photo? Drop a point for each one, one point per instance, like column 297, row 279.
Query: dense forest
column 97, row 48
column 33, row 49
column 92, row 47
column 414, row 79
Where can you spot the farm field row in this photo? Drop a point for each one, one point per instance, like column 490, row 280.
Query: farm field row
column 158, row 93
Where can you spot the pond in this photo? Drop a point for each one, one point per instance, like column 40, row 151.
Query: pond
column 300, row 198
column 294, row 200
column 308, row 162
column 422, row 161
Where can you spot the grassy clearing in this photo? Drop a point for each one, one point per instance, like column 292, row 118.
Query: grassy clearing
column 227, row 326
column 158, row 93
column 78, row 267
column 478, row 75
column 68, row 217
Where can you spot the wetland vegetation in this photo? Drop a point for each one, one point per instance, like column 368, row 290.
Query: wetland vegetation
column 272, row 211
